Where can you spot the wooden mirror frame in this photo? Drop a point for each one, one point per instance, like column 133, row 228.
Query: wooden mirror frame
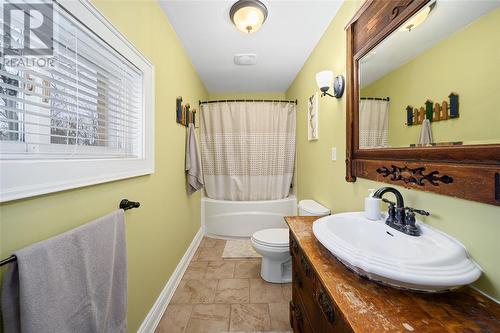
column 471, row 172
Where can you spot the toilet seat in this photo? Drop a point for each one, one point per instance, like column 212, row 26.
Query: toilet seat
column 276, row 237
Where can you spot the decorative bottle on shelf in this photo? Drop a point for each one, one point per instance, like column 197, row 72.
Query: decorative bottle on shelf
column 372, row 206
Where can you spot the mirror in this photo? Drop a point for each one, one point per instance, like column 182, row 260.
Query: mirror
column 417, row 59
column 435, row 80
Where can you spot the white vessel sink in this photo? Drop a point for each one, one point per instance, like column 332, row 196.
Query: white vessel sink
column 431, row 262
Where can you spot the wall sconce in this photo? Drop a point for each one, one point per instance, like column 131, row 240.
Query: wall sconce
column 325, row 79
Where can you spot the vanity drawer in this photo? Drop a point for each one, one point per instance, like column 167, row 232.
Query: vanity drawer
column 302, row 273
column 304, row 285
column 298, row 318
column 319, row 308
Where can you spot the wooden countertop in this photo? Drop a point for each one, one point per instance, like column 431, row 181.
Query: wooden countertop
column 371, row 307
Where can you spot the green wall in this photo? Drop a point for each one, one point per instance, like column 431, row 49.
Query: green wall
column 467, row 63
column 159, row 232
column 476, row 225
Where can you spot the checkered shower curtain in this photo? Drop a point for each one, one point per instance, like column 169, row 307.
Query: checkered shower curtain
column 248, row 149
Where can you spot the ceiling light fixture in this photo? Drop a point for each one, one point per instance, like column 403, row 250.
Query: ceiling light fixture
column 248, row 15
column 418, row 19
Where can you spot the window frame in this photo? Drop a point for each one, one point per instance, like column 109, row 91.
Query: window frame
column 27, row 177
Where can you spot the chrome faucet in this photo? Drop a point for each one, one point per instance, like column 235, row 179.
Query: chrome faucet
column 400, row 217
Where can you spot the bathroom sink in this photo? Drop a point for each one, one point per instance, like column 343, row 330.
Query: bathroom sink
column 432, row 262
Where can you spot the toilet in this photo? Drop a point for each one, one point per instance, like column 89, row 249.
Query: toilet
column 312, row 208
column 272, row 245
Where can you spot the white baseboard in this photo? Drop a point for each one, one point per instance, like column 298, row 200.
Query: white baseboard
column 486, row 295
column 153, row 318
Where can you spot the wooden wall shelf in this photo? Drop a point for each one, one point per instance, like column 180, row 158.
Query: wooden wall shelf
column 433, row 111
column 184, row 114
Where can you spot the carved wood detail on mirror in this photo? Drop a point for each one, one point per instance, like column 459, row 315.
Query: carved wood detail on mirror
column 470, row 170
column 414, row 176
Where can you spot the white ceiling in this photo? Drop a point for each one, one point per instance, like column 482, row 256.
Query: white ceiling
column 448, row 17
column 282, row 45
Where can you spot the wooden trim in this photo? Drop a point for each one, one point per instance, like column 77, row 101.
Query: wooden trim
column 351, row 100
column 360, row 11
column 477, row 154
column 474, row 169
column 468, row 181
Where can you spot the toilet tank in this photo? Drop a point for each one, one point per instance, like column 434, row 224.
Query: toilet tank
column 312, row 208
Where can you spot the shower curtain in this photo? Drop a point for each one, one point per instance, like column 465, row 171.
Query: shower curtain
column 373, row 123
column 248, row 149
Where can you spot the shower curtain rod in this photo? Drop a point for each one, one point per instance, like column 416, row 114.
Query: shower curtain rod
column 247, row 100
column 125, row 204
column 376, row 98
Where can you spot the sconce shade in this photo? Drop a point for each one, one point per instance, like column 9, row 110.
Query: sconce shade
column 324, row 79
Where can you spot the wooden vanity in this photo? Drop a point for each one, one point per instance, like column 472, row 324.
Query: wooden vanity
column 328, row 297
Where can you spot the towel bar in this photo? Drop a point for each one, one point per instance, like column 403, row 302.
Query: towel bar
column 125, row 204
column 10, row 259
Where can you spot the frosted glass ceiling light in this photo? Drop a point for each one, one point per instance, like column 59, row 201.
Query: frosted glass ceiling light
column 418, row 19
column 248, row 15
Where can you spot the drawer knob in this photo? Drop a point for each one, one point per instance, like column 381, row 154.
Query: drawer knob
column 297, row 314
column 326, row 306
column 305, row 265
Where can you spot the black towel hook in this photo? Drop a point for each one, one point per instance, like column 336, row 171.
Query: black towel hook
column 126, row 204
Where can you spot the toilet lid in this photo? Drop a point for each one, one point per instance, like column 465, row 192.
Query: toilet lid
column 314, row 207
column 272, row 237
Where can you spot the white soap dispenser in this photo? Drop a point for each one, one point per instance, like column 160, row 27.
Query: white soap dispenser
column 372, row 206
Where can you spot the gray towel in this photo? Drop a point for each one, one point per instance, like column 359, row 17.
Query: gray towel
column 426, row 133
column 73, row 282
column 193, row 162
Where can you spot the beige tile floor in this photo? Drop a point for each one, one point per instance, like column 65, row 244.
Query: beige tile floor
column 225, row 295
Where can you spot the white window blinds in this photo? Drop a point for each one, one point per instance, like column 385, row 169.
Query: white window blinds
column 77, row 113
column 84, row 101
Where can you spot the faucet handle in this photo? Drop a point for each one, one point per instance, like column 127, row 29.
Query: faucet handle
column 391, row 211
column 388, row 202
column 410, row 227
column 418, row 211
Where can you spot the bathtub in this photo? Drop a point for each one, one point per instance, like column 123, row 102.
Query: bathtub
column 237, row 219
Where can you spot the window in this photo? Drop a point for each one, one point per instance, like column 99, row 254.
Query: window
column 76, row 112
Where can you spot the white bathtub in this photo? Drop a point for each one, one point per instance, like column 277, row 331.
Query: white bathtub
column 234, row 219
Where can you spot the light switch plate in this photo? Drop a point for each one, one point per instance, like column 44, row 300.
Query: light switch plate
column 334, row 153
